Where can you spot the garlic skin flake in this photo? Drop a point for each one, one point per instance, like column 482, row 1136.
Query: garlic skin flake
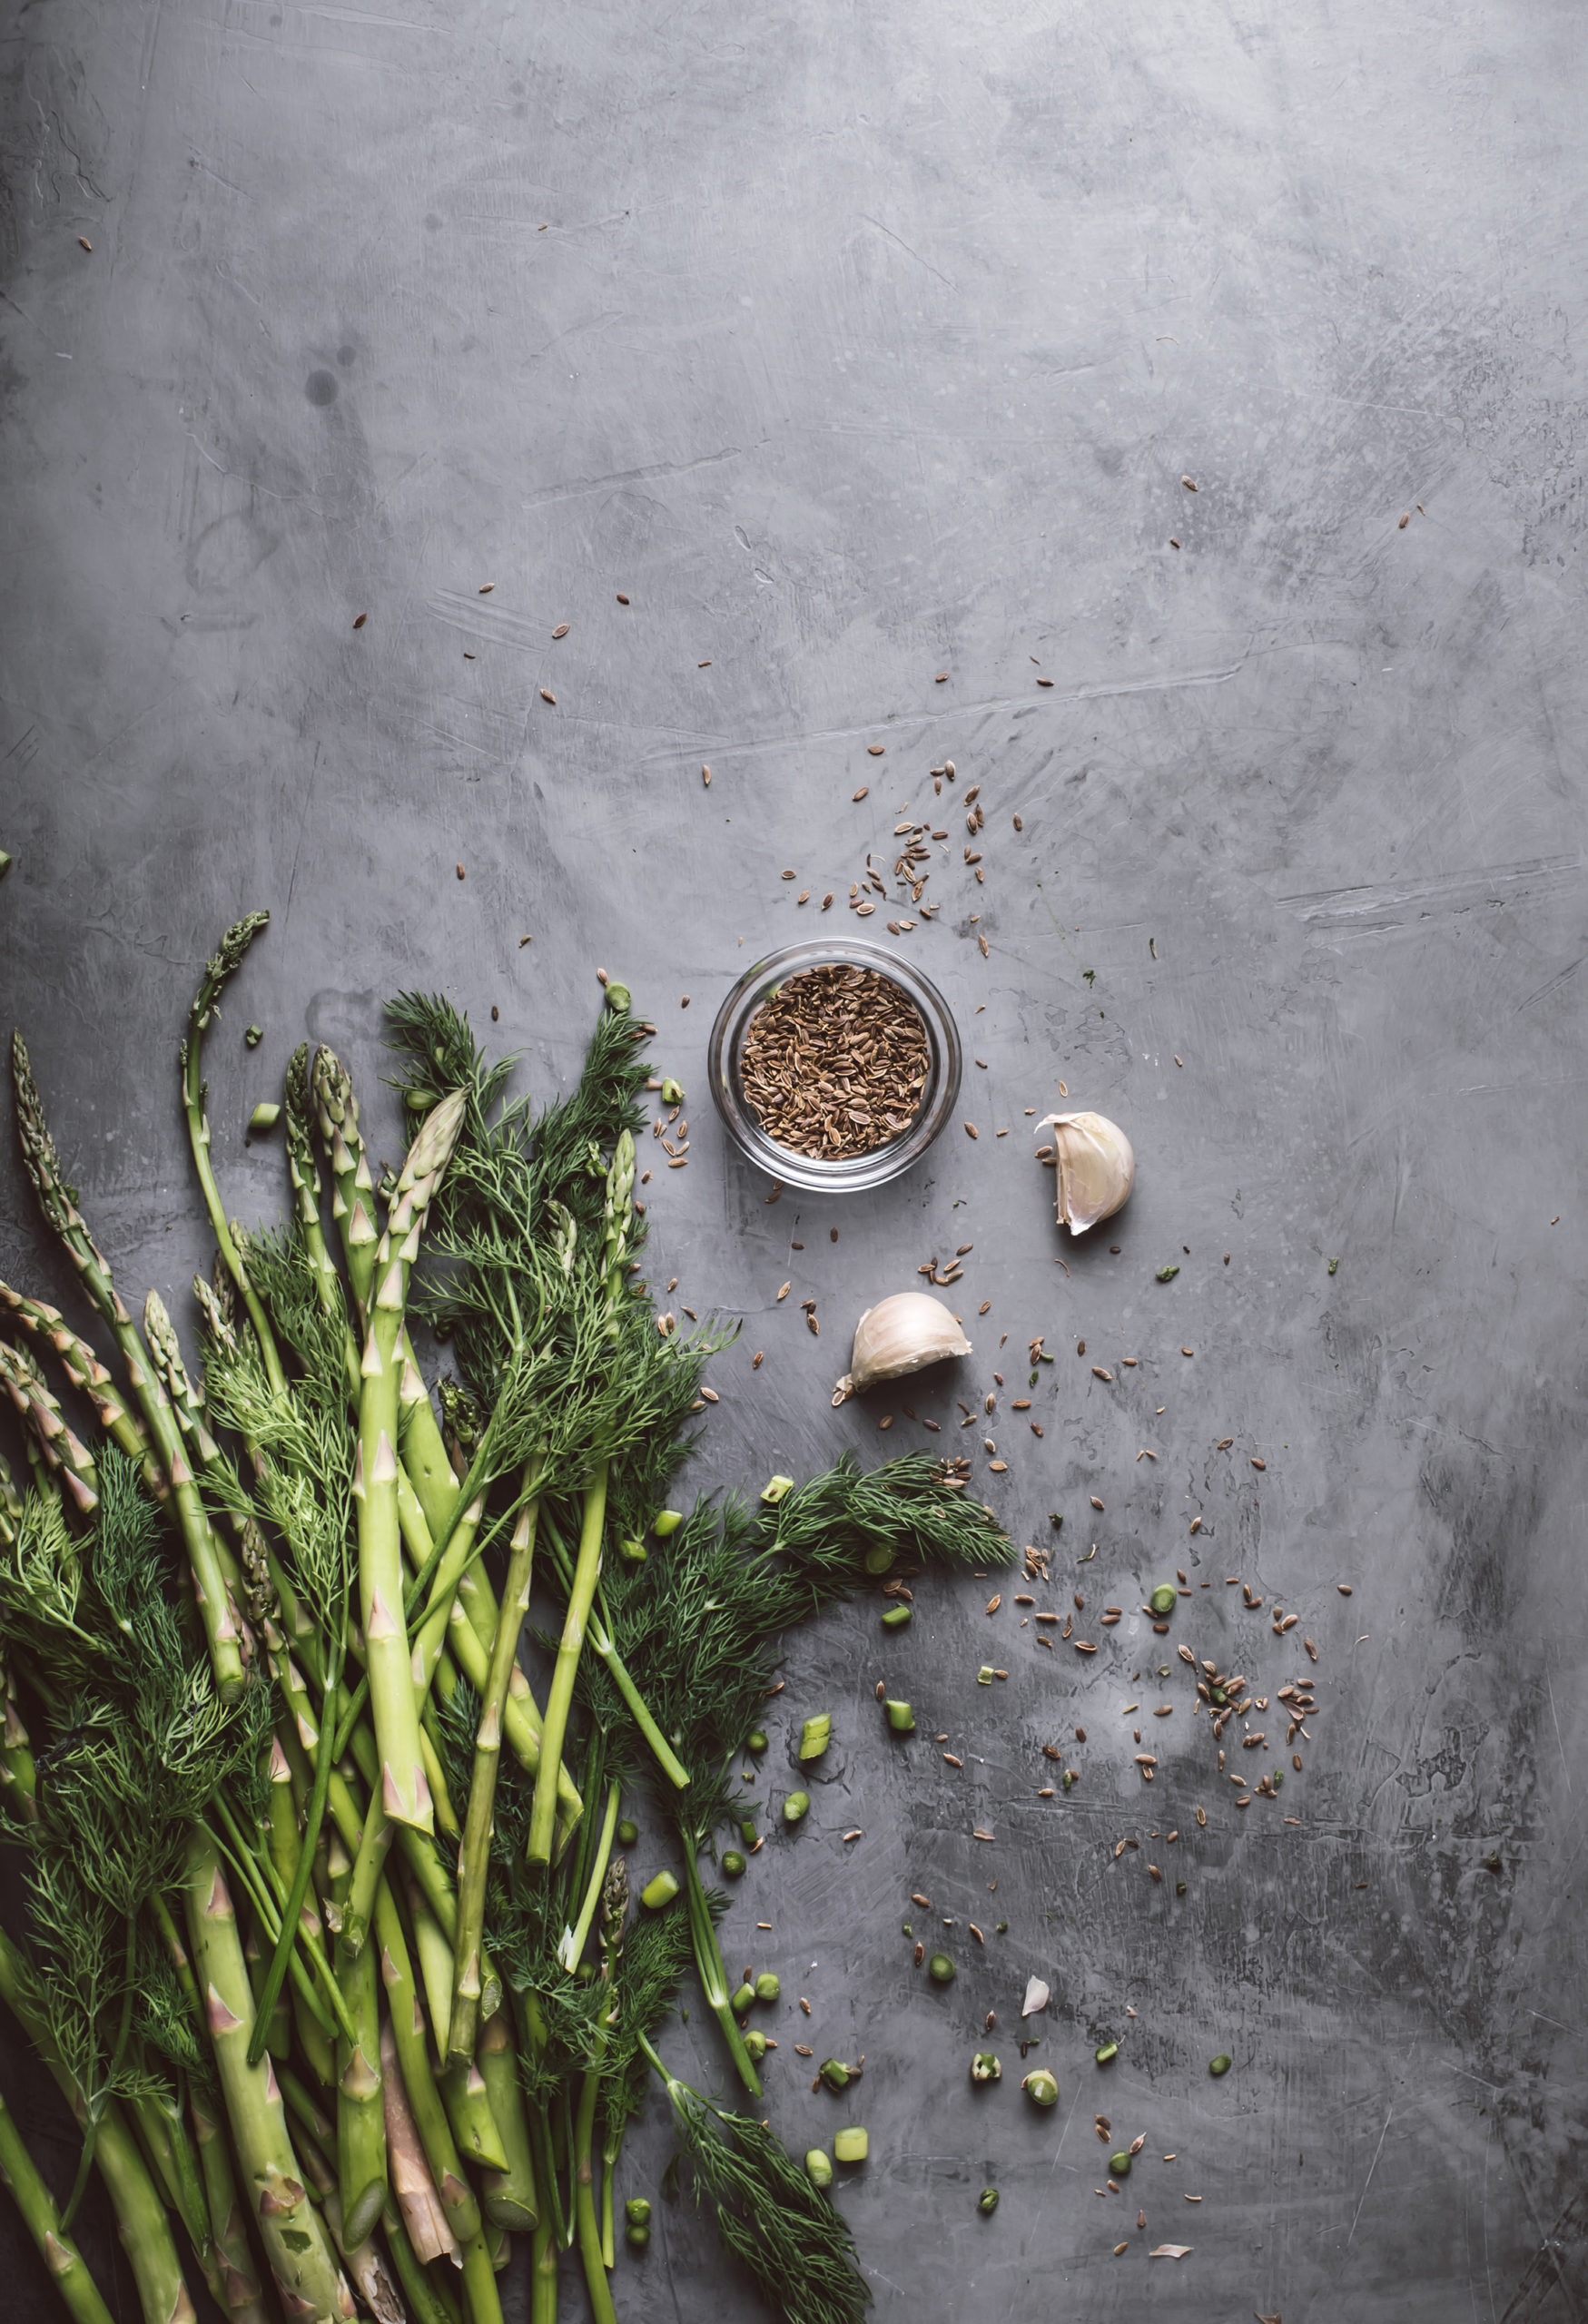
column 1095, row 1169
column 899, row 1335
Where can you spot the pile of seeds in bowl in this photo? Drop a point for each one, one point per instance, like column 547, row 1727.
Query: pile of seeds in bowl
column 834, row 1063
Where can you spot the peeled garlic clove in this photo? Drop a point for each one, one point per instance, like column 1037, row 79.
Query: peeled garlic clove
column 898, row 1335
column 1097, row 1168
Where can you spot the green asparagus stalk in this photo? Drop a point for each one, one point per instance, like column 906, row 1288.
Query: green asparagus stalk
column 240, row 2287
column 18, row 1775
column 508, row 2197
column 145, row 2231
column 619, row 1221
column 404, row 1792
column 407, row 2028
column 360, row 2122
column 295, row 2242
column 59, row 1205
column 474, row 1856
column 66, row 1455
column 354, row 1209
column 219, row 969
column 87, row 1373
column 614, row 1912
column 20, row 2176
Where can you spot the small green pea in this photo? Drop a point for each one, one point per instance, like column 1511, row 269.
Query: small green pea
column 1041, row 2087
column 879, row 1557
column 1120, row 2164
column 637, row 2211
column 987, row 2202
column 756, row 2044
column 619, row 999
column 1220, row 2064
column 795, row 1805
column 1163, row 1599
column 637, row 2238
column 941, row 1969
column 742, row 1999
column 757, row 1739
column 627, row 1832
column 767, row 1986
column 732, row 1864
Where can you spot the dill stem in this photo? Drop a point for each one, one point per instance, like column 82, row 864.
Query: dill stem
column 559, row 1700
column 712, row 1971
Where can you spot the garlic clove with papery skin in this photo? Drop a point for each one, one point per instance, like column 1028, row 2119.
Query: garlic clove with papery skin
column 899, row 1335
column 1096, row 1166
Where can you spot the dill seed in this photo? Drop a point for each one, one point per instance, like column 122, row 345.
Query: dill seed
column 361, row 619
column 874, row 750
column 546, row 695
column 621, row 598
column 561, row 630
column 834, row 1063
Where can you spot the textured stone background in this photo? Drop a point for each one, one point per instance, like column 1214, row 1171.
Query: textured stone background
column 855, row 345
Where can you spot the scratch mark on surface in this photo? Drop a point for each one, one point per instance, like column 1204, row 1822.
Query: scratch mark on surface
column 572, row 490
column 1371, row 2167
column 1560, row 1746
column 904, row 246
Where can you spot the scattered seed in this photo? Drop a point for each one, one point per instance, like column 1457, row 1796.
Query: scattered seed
column 1343, row 1588
column 546, row 695
column 621, row 598
column 561, row 630
column 1257, row 1463
column 486, row 588
column 361, row 619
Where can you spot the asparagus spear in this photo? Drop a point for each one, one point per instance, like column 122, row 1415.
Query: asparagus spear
column 618, row 1224
column 59, row 1204
column 219, row 969
column 295, row 2242
column 20, row 2176
column 140, row 2217
column 405, row 1793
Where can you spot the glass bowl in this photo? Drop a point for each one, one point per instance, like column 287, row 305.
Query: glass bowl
column 855, row 1172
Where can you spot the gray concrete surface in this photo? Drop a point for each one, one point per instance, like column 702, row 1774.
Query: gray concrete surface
column 855, row 345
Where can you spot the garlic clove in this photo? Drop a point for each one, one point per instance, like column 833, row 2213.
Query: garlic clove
column 1095, row 1169
column 899, row 1335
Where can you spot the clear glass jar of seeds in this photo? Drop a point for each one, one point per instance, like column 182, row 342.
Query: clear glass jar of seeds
column 833, row 1066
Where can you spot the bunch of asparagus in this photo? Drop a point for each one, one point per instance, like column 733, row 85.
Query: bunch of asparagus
column 331, row 1955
